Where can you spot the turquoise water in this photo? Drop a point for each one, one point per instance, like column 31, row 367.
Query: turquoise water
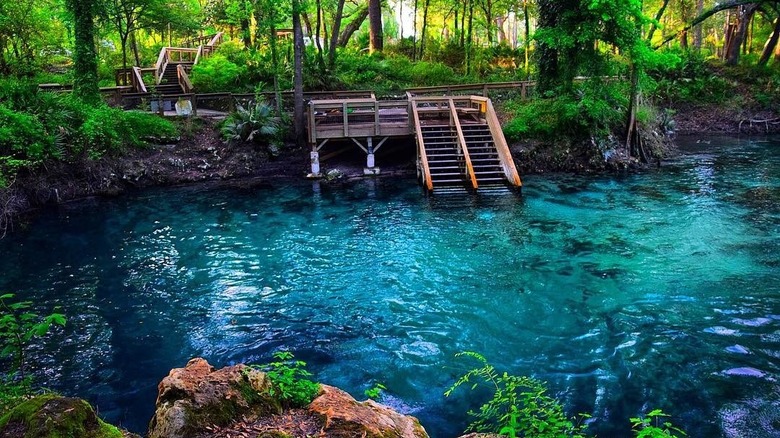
column 655, row 290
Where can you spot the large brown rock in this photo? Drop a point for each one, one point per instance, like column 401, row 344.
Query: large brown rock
column 196, row 396
column 346, row 417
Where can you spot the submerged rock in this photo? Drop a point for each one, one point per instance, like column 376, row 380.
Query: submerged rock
column 192, row 398
column 346, row 417
column 53, row 416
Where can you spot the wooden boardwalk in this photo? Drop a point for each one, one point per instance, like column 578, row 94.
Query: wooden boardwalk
column 459, row 139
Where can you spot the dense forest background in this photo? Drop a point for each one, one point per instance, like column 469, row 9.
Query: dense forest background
column 608, row 73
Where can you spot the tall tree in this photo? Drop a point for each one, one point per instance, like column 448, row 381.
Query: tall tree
column 744, row 17
column 771, row 43
column 376, row 38
column 85, row 76
column 299, row 120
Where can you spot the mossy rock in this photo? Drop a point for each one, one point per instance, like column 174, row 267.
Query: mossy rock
column 52, row 416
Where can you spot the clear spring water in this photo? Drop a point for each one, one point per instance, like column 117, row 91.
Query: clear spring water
column 660, row 289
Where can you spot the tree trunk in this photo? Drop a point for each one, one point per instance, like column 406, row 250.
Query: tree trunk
column 317, row 42
column 299, row 120
column 123, row 41
column 527, row 38
column 375, row 37
column 463, row 24
column 424, row 29
column 134, row 45
column 85, row 77
column 469, row 36
column 697, row 31
column 245, row 34
column 414, row 32
column 770, row 45
column 658, row 17
column 487, row 9
column 735, row 44
column 334, row 34
column 547, row 56
column 353, row 26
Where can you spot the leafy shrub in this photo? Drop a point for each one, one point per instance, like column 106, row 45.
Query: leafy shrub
column 289, row 381
column 22, row 135
column 218, row 74
column 519, row 406
column 594, row 109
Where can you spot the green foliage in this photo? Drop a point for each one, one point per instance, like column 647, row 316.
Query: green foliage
column 594, row 109
column 38, row 126
column 18, row 326
column 519, row 406
column 22, row 135
column 375, row 391
column 256, row 124
column 689, row 79
column 289, row 380
column 654, row 426
column 218, row 74
column 13, row 391
column 53, row 416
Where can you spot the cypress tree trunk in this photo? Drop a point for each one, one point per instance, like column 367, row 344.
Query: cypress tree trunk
column 376, row 39
column 85, row 77
column 547, row 56
column 334, row 34
column 735, row 43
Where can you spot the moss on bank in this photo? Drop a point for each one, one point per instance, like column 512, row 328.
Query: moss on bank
column 52, row 416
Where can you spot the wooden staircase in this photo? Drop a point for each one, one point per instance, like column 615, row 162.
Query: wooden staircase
column 461, row 145
column 171, row 71
column 169, row 80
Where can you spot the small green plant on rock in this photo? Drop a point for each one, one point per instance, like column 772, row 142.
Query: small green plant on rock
column 653, row 426
column 18, row 326
column 375, row 391
column 289, row 380
column 519, row 407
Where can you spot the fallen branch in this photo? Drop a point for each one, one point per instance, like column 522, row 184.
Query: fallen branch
column 766, row 122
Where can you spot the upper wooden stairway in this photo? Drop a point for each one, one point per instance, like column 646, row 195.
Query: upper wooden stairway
column 171, row 71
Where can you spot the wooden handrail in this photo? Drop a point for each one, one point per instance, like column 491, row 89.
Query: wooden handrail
column 184, row 79
column 462, row 144
column 421, row 148
column 159, row 66
column 198, row 55
column 138, row 81
column 216, row 40
column 500, row 142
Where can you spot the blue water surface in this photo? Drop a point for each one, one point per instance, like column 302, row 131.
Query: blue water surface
column 625, row 293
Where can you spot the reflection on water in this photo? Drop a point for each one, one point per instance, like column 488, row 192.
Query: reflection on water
column 625, row 293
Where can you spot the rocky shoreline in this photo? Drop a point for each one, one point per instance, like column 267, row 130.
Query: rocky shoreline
column 199, row 401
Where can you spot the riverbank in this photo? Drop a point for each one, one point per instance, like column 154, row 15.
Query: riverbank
column 201, row 156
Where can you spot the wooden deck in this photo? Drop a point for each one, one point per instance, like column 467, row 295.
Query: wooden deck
column 369, row 123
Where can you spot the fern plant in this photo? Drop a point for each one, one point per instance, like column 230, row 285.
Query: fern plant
column 519, row 407
column 256, row 124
